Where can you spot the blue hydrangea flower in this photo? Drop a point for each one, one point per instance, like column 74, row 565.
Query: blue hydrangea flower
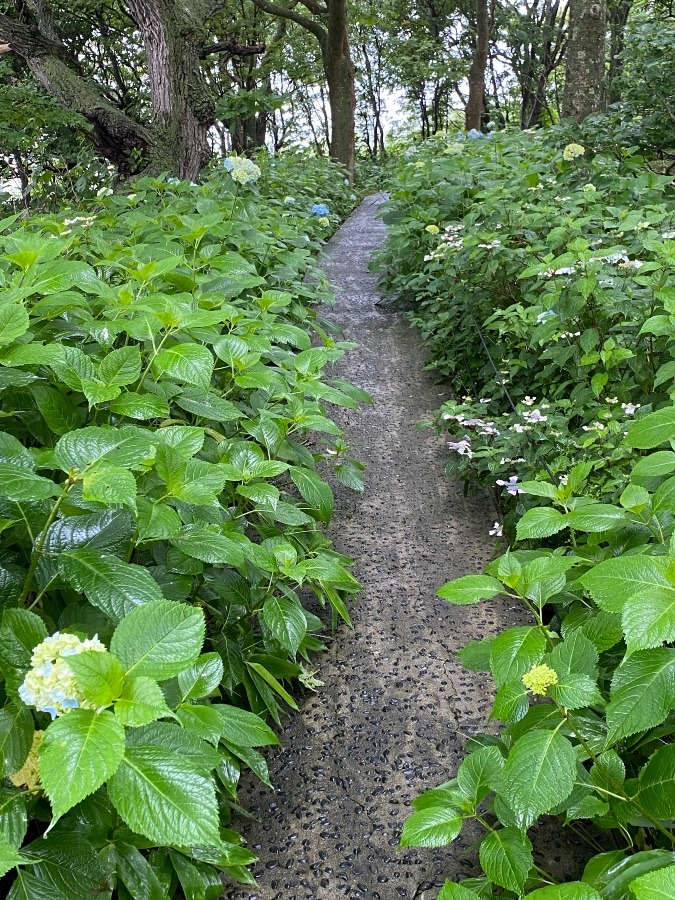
column 320, row 209
column 474, row 134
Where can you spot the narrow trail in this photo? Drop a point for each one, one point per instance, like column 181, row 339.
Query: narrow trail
column 391, row 719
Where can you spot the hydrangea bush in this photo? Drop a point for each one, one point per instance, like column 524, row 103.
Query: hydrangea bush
column 544, row 293
column 165, row 439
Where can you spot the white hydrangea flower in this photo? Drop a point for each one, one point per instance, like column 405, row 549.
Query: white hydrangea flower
column 49, row 685
column 241, row 170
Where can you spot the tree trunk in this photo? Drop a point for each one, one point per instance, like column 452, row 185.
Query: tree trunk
column 474, row 106
column 339, row 70
column 585, row 68
column 617, row 15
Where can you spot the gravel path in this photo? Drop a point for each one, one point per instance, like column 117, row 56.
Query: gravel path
column 391, row 719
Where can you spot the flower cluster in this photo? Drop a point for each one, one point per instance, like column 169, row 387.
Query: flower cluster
column 320, row 209
column 571, row 151
column 511, row 485
column 241, row 170
column 50, row 685
column 28, row 775
column 539, row 679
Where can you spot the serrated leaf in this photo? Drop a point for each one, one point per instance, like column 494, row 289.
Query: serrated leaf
column 511, row 702
column 109, row 484
column 539, row 774
column 140, row 702
column 506, row 858
column 63, row 867
column 655, row 464
column 573, row 890
column 658, row 885
column 657, row 784
column 187, row 363
column 652, row 429
column 159, row 795
column 314, row 490
column 515, row 651
column 614, row 582
column 648, row 620
column 99, row 675
column 159, row 639
column 479, row 772
column 9, row 857
column 451, row 891
column 576, row 653
column 19, row 484
column 208, row 545
column 16, row 736
column 201, row 678
column 543, row 521
column 576, row 690
column 475, row 655
column 432, row 827
column 596, row 517
column 121, row 367
column 114, row 586
column 642, row 694
column 286, row 621
column 79, row 752
column 243, row 728
column 136, row 873
column 470, row 589
column 140, row 406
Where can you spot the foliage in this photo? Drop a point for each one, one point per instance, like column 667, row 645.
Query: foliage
column 577, row 320
column 552, row 338
column 165, row 439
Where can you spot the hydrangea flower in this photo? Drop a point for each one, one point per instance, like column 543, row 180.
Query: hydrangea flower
column 571, row 151
column 496, row 530
column 241, row 170
column 324, row 220
column 474, row 134
column 462, row 447
column 630, row 408
column 543, row 316
column 28, row 775
column 49, row 685
column 511, row 485
column 432, row 229
column 539, row 679
column 320, row 209
column 588, row 188
column 289, row 201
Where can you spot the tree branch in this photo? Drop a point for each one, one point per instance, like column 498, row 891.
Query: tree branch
column 304, row 21
column 232, row 48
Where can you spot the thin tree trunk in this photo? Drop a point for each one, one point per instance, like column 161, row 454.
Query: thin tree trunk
column 340, row 77
column 585, row 69
column 474, row 106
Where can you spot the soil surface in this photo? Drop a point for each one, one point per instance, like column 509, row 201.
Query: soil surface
column 393, row 716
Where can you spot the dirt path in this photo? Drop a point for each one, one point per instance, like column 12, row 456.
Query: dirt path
column 390, row 720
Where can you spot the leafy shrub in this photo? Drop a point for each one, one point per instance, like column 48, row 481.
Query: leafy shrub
column 165, row 432
column 547, row 306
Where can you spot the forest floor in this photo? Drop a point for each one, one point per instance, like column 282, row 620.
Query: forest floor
column 392, row 719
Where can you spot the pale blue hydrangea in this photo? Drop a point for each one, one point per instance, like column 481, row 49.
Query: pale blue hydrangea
column 473, row 134
column 241, row 170
column 50, row 685
column 320, row 209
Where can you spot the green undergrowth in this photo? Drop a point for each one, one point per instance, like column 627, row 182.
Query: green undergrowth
column 165, row 439
column 541, row 276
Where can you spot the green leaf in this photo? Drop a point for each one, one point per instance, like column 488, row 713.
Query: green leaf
column 511, row 702
column 14, row 322
column 475, row 655
column 652, row 429
column 539, row 774
column 506, row 858
column 64, row 867
column 209, row 546
column 470, row 589
column 576, row 653
column 82, row 448
column 159, row 795
column 656, row 464
column 614, row 582
column 573, row 890
column 136, row 873
column 576, row 690
column 276, row 685
column 244, row 728
column 432, row 827
column 451, row 891
column 79, row 752
column 657, row 784
column 110, row 485
column 658, row 885
column 9, row 857
column 596, row 517
column 99, row 676
column 141, row 702
column 202, row 678
column 16, row 737
column 314, row 490
column 13, row 815
column 540, row 522
column 515, row 651
column 20, row 484
column 140, row 406
column 114, row 586
column 159, row 639
column 286, row 621
column 642, row 694
column 648, row 620
column 479, row 773
column 121, row 367
column 187, row 363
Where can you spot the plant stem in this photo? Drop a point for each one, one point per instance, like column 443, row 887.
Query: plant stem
column 37, row 552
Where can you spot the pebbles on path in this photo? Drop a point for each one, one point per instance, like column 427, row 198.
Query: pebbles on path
column 397, row 705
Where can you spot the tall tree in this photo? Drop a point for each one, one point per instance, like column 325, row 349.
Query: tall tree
column 475, row 104
column 175, row 39
column 585, row 63
column 328, row 23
